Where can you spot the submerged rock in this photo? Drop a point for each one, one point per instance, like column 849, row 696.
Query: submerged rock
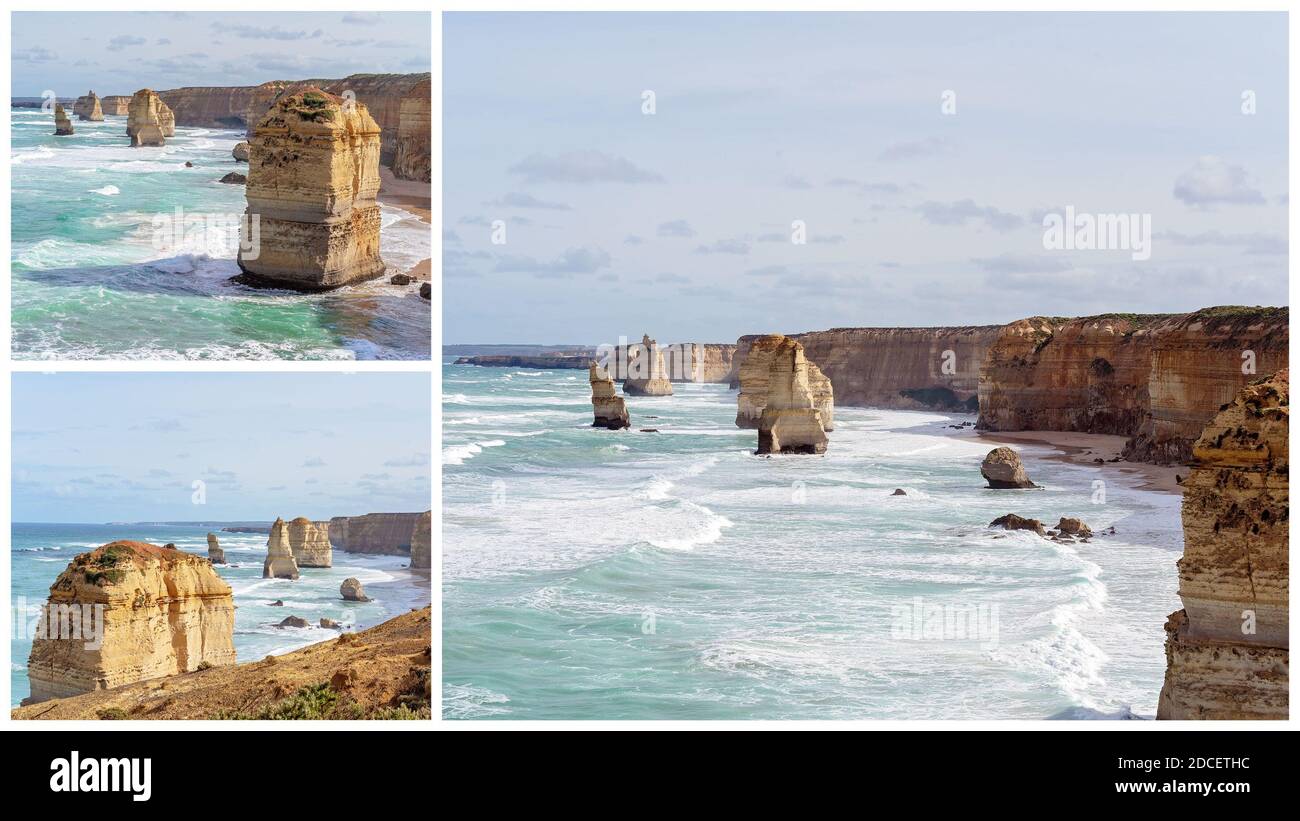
column 1003, row 469
column 1013, row 522
column 294, row 621
column 234, row 179
column 898, row 491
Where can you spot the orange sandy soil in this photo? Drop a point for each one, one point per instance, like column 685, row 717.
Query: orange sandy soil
column 380, row 667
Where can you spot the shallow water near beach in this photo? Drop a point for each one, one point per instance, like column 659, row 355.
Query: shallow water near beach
column 90, row 281
column 42, row 551
column 676, row 575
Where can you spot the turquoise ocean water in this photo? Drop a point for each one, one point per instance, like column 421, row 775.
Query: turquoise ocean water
column 627, row 575
column 91, row 280
column 42, row 551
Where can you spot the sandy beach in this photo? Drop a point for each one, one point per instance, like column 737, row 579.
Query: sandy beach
column 413, row 197
column 1088, row 449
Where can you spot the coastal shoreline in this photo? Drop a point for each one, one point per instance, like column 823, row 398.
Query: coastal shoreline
column 1085, row 448
column 416, row 199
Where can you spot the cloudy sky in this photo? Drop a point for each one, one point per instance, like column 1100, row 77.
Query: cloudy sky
column 121, row 52
column 679, row 222
column 129, row 446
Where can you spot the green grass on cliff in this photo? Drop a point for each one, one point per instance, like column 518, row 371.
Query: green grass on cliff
column 318, row 702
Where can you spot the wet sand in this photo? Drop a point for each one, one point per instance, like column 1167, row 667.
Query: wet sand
column 413, row 197
column 1087, row 448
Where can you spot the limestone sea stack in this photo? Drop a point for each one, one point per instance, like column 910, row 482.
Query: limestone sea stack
column 1227, row 650
column 313, row 172
column 1002, row 469
column 421, row 542
column 117, row 105
column 279, row 563
column 62, row 125
column 87, row 108
column 790, row 422
column 166, row 119
column 215, row 554
column 752, row 376
column 144, row 119
column 647, row 373
column 310, row 542
column 609, row 407
column 413, row 159
column 163, row 612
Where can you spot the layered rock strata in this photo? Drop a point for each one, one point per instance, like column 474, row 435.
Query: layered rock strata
column 117, row 105
column 384, row 533
column 413, row 158
column 215, row 554
column 87, row 108
column 279, row 563
column 1227, row 650
column 422, row 542
column 144, row 124
column 647, row 374
column 130, row 611
column 166, row 119
column 309, row 542
column 62, row 125
column 609, row 408
column 313, row 173
column 753, row 375
column 790, row 422
column 1003, row 470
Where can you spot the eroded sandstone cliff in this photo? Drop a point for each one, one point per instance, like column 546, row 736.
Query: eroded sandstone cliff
column 163, row 612
column 647, row 372
column 1227, row 649
column 387, row 533
column 144, row 124
column 753, row 381
column 422, row 542
column 118, row 105
column 279, row 562
column 215, row 554
column 309, row 542
column 313, row 172
column 62, row 125
column 790, row 421
column 608, row 407
column 412, row 160
column 87, row 108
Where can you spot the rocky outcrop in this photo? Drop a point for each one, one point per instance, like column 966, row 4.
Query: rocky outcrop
column 313, row 173
column 752, row 379
column 240, row 152
column 1002, row 469
column 1227, row 650
column 116, row 105
column 215, row 554
column 385, row 533
column 280, row 563
column 413, row 159
column 1013, row 522
column 1156, row 378
column 62, row 125
column 156, row 612
column 309, row 542
column 166, row 120
column 351, row 590
column 144, row 124
column 790, row 422
column 647, row 374
column 234, row 179
column 87, row 108
column 1073, row 527
column 422, row 542
column 609, row 408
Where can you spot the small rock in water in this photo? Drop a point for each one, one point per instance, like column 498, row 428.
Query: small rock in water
column 330, row 624
column 425, row 290
column 1003, row 470
column 293, row 621
column 1013, row 522
column 351, row 590
column 649, row 430
column 234, row 179
column 189, row 164
column 277, row 603
column 399, row 279
column 898, row 491
column 1073, row 527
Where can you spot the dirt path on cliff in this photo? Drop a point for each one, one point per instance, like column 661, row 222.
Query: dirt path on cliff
column 367, row 675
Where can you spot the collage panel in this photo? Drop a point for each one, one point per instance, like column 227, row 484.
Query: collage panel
column 216, row 552
column 221, row 185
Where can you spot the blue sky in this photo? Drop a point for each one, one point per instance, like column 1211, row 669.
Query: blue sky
column 678, row 223
column 122, row 52
column 128, row 446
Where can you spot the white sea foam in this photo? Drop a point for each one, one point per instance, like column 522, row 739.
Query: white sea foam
column 107, row 190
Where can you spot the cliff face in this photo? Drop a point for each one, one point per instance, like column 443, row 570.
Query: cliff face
column 647, row 371
column 904, row 368
column 313, row 172
column 1156, row 378
column 790, row 421
column 753, row 377
column 87, row 108
column 279, row 562
column 412, row 159
column 309, row 542
column 422, row 541
column 144, row 119
column 117, row 105
column 1227, row 649
column 215, row 107
column 164, row 612
column 386, row 533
